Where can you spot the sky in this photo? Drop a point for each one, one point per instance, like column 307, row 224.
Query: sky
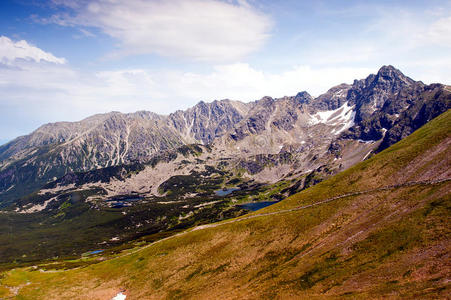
column 64, row 60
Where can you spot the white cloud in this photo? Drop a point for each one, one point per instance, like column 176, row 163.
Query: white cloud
column 416, row 41
column 243, row 82
column 440, row 32
column 205, row 30
column 11, row 51
column 40, row 93
column 57, row 92
column 405, row 30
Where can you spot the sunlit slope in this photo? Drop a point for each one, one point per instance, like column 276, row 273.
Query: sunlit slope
column 392, row 240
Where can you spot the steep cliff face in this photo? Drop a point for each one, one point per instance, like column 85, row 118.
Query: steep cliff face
column 379, row 110
column 106, row 140
column 370, row 95
column 106, row 134
column 276, row 124
column 432, row 101
column 268, row 113
column 369, row 107
column 206, row 121
column 334, row 98
column 391, row 106
column 114, row 138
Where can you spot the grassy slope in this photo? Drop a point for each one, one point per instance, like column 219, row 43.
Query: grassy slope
column 393, row 243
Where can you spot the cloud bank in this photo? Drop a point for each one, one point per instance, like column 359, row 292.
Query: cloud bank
column 11, row 51
column 36, row 92
column 38, row 87
column 202, row 30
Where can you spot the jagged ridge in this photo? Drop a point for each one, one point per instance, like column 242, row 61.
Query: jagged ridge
column 386, row 105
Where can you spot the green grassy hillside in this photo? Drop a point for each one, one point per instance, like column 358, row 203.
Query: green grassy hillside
column 388, row 238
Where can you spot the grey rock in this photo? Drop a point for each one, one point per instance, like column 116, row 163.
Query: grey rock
column 387, row 105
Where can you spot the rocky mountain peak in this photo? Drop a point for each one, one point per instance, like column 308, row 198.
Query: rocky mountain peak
column 303, row 97
column 370, row 94
column 391, row 72
column 334, row 98
column 389, row 76
column 365, row 110
column 206, row 121
column 265, row 101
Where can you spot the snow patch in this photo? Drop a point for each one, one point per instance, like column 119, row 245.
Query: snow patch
column 344, row 116
column 366, row 142
column 323, row 116
column 119, row 296
column 340, row 93
column 374, row 106
column 348, row 124
column 10, row 188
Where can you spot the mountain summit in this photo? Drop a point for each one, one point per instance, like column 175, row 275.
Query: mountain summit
column 387, row 105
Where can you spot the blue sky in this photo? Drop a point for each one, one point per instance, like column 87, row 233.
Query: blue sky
column 64, row 60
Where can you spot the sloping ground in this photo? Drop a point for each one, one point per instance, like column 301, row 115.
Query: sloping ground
column 388, row 238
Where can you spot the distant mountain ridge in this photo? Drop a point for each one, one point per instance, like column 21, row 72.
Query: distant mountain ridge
column 387, row 105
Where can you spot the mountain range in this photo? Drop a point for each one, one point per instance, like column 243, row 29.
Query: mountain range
column 280, row 136
column 113, row 178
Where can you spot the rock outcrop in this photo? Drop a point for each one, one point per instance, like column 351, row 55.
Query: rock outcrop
column 384, row 107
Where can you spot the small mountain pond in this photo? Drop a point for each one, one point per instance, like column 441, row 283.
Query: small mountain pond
column 225, row 192
column 95, row 252
column 119, row 203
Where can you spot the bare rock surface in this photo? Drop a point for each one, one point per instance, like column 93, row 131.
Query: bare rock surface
column 368, row 115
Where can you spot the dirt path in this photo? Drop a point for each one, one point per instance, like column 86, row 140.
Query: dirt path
column 385, row 188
